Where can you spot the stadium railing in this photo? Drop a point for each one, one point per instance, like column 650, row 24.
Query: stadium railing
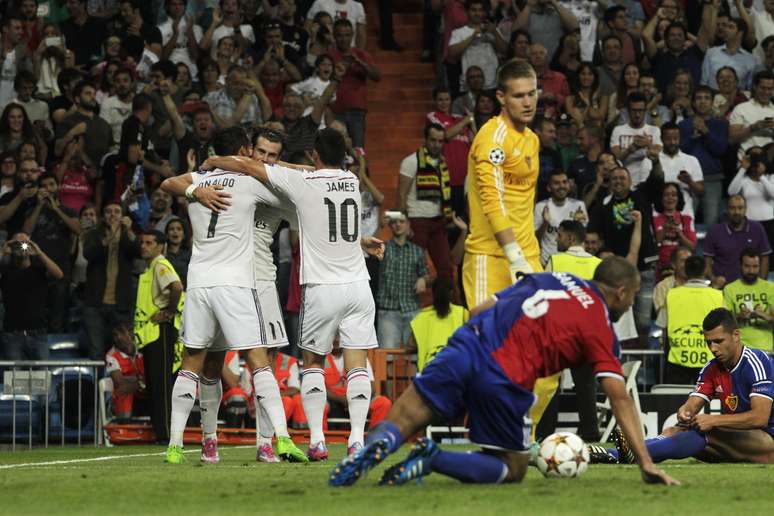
column 50, row 401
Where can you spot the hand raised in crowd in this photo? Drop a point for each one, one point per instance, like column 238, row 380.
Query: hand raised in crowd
column 636, row 217
column 653, row 151
column 190, row 159
column 546, row 215
column 217, row 17
column 579, row 216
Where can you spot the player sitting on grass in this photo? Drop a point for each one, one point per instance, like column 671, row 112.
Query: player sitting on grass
column 741, row 378
column 535, row 328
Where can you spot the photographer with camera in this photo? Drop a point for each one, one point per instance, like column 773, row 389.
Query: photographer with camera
column 753, row 181
column 53, row 226
column 26, row 271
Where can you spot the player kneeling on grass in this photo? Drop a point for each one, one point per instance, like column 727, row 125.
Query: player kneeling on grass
column 533, row 329
column 741, row 378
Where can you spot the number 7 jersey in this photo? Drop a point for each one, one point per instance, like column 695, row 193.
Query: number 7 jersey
column 328, row 207
column 222, row 250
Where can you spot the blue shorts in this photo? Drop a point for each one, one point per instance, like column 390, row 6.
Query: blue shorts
column 463, row 378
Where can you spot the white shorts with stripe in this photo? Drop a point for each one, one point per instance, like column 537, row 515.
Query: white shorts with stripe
column 346, row 309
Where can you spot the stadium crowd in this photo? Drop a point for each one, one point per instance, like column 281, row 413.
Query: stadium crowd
column 655, row 121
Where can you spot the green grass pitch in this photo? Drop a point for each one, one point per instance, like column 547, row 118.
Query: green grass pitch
column 125, row 483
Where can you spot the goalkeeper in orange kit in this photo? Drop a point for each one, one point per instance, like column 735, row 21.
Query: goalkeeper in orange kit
column 503, row 167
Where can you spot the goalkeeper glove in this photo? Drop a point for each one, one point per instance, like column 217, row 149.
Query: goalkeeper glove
column 516, row 261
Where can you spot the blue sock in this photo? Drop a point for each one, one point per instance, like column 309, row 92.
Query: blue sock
column 678, row 446
column 613, row 452
column 472, row 468
column 387, row 431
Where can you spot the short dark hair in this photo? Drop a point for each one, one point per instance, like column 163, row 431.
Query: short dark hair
column 330, row 147
column 160, row 237
column 720, row 317
column 342, row 22
column 228, row 141
column 80, row 87
column 574, row 228
column 438, row 91
column 768, row 40
column 540, row 121
column 676, row 253
column 595, row 131
column 124, row 70
column 609, row 37
column 727, row 69
column 514, row 69
column 612, row 12
column 669, row 126
column 702, row 88
column 694, row 267
column 741, row 26
column 166, row 67
column 23, row 76
column 268, row 134
column 470, row 3
column 635, row 97
column 67, row 76
column 321, row 58
column 675, row 25
column 47, row 176
column 434, row 126
column 763, row 75
column 141, row 101
column 749, row 252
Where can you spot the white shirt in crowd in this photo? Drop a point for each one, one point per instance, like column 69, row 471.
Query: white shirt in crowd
column 672, row 165
column 7, row 75
column 180, row 53
column 746, row 114
column 223, row 31
column 759, row 195
column 479, row 53
column 417, row 208
column 312, row 89
column 636, row 162
column 328, row 207
column 114, row 111
column 347, row 10
column 556, row 214
column 588, row 17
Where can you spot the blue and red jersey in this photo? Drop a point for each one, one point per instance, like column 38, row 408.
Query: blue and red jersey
column 546, row 323
column 752, row 376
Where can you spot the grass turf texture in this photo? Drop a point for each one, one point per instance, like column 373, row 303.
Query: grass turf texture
column 239, row 485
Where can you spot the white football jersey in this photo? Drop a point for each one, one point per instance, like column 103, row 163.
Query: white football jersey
column 267, row 219
column 222, row 250
column 328, row 207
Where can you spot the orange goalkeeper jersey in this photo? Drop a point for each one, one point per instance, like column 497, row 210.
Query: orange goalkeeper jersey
column 503, row 166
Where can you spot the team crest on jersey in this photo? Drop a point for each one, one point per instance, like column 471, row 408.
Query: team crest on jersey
column 732, row 401
column 497, row 156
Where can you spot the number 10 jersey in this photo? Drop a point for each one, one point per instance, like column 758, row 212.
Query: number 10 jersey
column 328, row 207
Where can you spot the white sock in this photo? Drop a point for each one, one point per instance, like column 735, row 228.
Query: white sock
column 264, row 429
column 358, row 401
column 210, row 394
column 267, row 395
column 183, row 398
column 313, row 396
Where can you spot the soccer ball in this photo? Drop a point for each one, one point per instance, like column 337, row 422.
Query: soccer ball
column 563, row 454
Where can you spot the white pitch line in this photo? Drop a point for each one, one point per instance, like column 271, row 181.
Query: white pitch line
column 100, row 459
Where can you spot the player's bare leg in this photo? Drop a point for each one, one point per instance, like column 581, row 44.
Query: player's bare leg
column 183, row 398
column 267, row 397
column 210, row 394
column 741, row 445
column 314, row 396
column 358, row 395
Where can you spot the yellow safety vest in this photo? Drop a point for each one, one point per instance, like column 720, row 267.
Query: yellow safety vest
column 687, row 307
column 431, row 333
column 145, row 330
column 581, row 266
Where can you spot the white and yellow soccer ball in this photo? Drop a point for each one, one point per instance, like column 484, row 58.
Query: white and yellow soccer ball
column 563, row 454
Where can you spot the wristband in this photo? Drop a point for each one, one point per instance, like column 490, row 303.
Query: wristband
column 189, row 193
column 513, row 252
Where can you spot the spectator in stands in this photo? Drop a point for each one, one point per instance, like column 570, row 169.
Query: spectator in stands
column 126, row 367
column 198, row 139
column 673, row 276
column 428, row 202
column 750, row 299
column 209, row 76
column 314, row 86
column 130, row 26
column 729, row 95
column 767, row 45
column 350, row 105
column 7, row 172
column 672, row 224
column 53, row 227
column 180, row 36
column 275, row 49
column 762, row 26
column 16, row 56
column 161, row 210
column 752, row 122
column 566, row 59
column 730, row 53
column 83, row 34
column 26, row 270
column 84, row 120
column 435, row 324
column 346, row 10
column 301, row 129
column 614, row 223
column 553, row 85
column 156, row 323
column 679, row 95
column 633, row 142
column 705, row 137
column 550, row 159
column 725, row 242
column 486, row 108
column 617, row 113
column 753, row 181
column 227, row 21
column 551, row 212
column 686, row 306
column 458, row 139
column 596, row 192
column 680, row 168
column 611, row 69
column 110, row 249
column 617, row 24
column 242, row 101
column 675, row 54
column 546, row 21
column 583, row 169
column 292, row 24
column 477, row 44
column 18, row 203
column 586, row 105
column 566, row 140
column 37, row 110
column 76, row 176
column 116, row 108
column 657, row 113
column 403, row 277
column 466, row 103
column 519, row 44
column 178, row 250
column 320, row 37
column 16, row 128
column 593, row 243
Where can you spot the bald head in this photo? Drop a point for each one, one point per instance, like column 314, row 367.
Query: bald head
column 614, row 272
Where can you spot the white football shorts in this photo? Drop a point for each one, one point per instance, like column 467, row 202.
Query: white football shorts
column 344, row 308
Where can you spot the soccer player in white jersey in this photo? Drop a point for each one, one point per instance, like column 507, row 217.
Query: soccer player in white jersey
column 222, row 307
column 335, row 296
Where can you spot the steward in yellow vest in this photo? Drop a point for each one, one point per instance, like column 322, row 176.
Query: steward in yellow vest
column 156, row 322
column 686, row 308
